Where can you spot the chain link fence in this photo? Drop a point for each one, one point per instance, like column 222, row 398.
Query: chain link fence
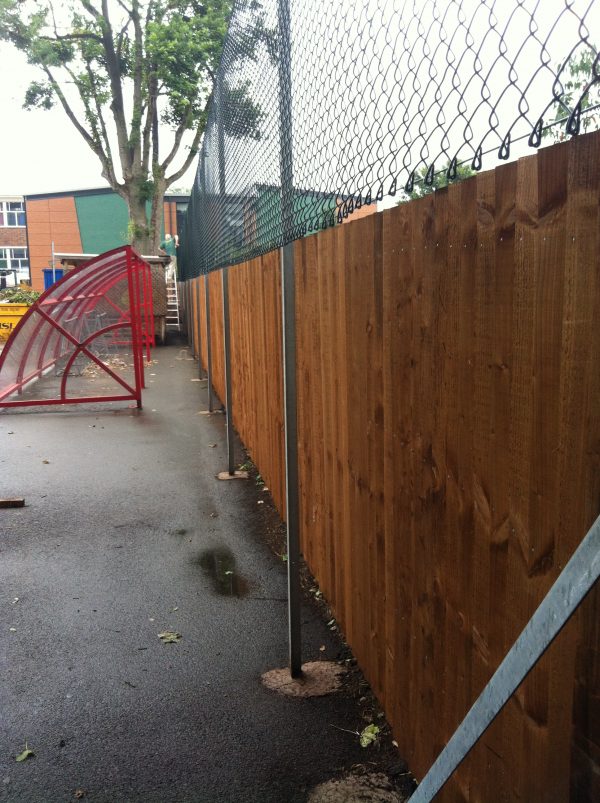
column 320, row 109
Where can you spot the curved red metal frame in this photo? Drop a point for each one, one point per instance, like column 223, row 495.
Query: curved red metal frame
column 75, row 295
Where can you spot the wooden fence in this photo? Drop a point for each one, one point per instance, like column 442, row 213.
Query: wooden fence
column 449, row 433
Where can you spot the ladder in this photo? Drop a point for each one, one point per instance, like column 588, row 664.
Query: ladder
column 172, row 319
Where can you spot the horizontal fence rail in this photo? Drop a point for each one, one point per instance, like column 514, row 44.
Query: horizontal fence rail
column 387, row 97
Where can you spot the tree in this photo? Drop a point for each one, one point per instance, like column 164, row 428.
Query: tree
column 126, row 70
column 579, row 81
column 440, row 179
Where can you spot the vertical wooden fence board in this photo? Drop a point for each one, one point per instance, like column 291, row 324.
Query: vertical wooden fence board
column 401, row 294
column 202, row 321
column 323, row 352
column 448, row 375
column 310, row 404
column 257, row 385
column 216, row 333
column 579, row 450
column 195, row 315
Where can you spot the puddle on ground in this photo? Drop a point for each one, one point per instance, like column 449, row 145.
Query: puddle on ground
column 219, row 565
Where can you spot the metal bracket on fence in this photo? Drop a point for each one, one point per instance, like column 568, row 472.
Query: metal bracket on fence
column 573, row 583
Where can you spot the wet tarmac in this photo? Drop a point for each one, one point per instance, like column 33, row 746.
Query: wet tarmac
column 127, row 534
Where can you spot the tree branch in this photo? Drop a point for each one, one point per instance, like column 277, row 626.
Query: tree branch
column 189, row 158
column 95, row 146
column 103, row 129
column 117, row 105
column 70, row 37
column 90, row 9
column 120, row 36
column 183, row 126
column 124, row 7
column 136, row 116
column 149, row 124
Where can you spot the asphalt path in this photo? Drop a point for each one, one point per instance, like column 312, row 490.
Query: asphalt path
column 126, row 533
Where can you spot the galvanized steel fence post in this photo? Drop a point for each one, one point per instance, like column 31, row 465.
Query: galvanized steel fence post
column 225, row 277
column 288, row 325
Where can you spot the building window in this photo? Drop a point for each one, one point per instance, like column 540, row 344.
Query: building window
column 12, row 213
column 14, row 265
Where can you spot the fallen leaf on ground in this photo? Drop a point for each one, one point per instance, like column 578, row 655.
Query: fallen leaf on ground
column 169, row 637
column 45, row 461
column 79, row 793
column 27, row 753
column 369, row 735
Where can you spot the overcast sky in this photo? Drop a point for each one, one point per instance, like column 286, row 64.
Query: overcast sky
column 40, row 151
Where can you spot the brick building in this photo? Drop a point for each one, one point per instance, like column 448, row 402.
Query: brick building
column 14, row 255
column 83, row 222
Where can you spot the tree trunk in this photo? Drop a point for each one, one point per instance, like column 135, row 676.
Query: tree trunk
column 139, row 230
column 156, row 215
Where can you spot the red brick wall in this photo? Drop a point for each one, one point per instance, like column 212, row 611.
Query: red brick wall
column 170, row 213
column 50, row 219
column 13, row 237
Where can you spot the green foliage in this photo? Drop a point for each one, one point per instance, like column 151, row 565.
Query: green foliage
column 16, row 295
column 369, row 735
column 136, row 232
column 440, row 179
column 241, row 117
column 580, row 83
column 25, row 754
column 169, row 637
column 39, row 96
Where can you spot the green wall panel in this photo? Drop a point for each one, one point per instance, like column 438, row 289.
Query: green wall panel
column 102, row 222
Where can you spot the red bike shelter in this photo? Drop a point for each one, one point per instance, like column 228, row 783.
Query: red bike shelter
column 84, row 339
